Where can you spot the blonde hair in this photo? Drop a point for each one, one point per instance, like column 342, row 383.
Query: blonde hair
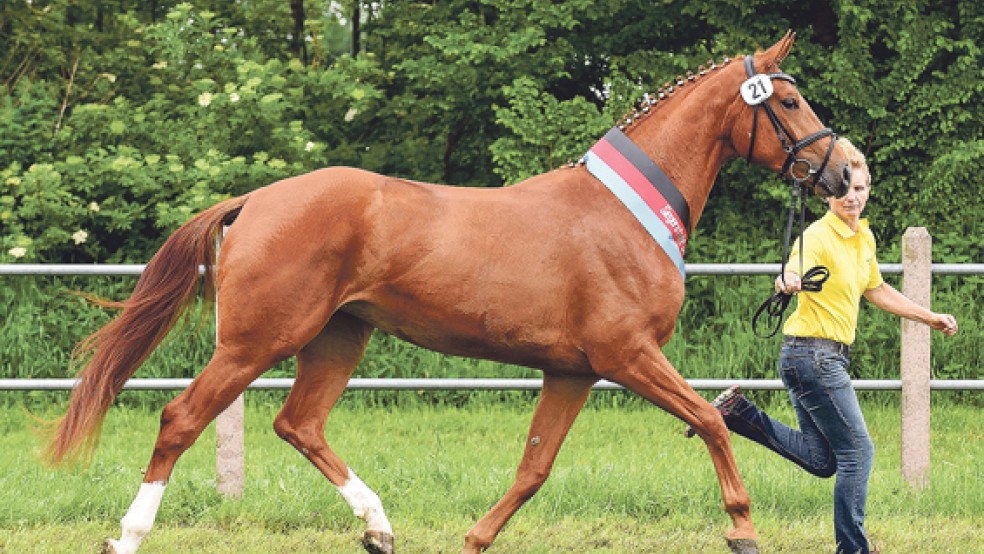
column 855, row 157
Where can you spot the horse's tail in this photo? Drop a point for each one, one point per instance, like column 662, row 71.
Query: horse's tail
column 164, row 292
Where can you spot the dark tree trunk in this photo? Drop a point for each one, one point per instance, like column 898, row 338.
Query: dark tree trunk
column 297, row 44
column 356, row 29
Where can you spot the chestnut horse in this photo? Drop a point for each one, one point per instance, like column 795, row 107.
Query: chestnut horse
column 553, row 273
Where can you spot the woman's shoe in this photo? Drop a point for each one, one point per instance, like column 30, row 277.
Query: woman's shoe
column 723, row 403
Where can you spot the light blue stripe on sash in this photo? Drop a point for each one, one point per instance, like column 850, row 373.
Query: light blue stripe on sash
column 637, row 206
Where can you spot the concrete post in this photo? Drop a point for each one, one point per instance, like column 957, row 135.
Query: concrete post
column 230, row 442
column 230, row 450
column 917, row 265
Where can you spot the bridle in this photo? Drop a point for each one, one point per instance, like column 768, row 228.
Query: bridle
column 756, row 90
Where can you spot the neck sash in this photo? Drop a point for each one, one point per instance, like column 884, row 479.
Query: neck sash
column 644, row 189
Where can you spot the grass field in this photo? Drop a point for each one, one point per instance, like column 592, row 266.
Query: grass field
column 626, row 481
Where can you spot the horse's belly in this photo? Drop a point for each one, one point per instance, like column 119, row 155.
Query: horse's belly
column 475, row 335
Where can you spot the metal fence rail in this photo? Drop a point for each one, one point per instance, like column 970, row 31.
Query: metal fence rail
column 475, row 384
column 466, row 383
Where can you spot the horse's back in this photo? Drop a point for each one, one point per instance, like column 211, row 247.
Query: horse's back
column 420, row 220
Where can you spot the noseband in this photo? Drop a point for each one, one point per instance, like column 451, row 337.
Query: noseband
column 756, row 90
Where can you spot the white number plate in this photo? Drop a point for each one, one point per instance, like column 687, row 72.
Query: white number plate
column 757, row 89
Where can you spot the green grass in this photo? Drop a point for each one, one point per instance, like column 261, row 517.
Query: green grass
column 625, row 481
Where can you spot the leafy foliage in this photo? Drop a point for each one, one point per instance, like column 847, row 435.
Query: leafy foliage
column 119, row 122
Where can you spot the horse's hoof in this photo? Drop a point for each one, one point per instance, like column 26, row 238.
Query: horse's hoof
column 377, row 542
column 743, row 546
column 107, row 547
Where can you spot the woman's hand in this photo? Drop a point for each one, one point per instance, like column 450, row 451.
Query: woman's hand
column 792, row 283
column 943, row 322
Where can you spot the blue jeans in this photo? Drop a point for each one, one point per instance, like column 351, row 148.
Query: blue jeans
column 832, row 436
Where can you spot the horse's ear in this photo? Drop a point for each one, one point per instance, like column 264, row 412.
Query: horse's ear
column 777, row 53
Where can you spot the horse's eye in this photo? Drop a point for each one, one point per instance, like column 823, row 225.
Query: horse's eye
column 790, row 103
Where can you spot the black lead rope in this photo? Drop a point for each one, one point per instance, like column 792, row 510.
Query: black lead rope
column 812, row 281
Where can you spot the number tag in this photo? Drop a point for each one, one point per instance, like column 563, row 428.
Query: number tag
column 757, row 89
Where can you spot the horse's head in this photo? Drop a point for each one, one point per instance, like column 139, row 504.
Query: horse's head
column 777, row 128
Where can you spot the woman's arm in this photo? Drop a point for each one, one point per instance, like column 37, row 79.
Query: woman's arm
column 892, row 301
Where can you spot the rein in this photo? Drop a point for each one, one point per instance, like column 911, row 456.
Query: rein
column 756, row 90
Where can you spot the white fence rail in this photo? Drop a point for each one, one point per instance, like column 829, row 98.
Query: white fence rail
column 915, row 383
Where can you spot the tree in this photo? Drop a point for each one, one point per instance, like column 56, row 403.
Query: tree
column 171, row 105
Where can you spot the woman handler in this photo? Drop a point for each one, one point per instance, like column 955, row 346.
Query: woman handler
column 832, row 438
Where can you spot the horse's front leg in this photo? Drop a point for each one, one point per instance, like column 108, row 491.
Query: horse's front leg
column 560, row 401
column 647, row 372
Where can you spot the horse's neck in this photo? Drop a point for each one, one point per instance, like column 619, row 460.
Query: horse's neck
column 690, row 139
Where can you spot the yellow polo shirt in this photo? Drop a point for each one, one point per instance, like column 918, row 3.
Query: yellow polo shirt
column 832, row 313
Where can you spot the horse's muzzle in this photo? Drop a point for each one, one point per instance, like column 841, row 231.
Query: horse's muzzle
column 833, row 183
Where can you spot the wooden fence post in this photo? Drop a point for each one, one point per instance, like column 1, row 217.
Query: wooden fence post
column 230, row 442
column 917, row 265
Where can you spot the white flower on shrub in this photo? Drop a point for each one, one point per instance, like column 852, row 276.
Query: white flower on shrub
column 18, row 251
column 93, row 207
column 233, row 97
column 80, row 236
column 309, row 146
column 204, row 99
column 350, row 114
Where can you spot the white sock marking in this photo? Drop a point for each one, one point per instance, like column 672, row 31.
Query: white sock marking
column 139, row 519
column 365, row 504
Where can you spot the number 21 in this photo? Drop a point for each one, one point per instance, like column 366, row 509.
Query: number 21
column 756, row 88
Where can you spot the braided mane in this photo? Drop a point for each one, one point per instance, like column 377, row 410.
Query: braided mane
column 651, row 100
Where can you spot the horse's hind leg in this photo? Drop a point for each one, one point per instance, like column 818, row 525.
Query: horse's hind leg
column 560, row 402
column 648, row 373
column 323, row 369
column 182, row 421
